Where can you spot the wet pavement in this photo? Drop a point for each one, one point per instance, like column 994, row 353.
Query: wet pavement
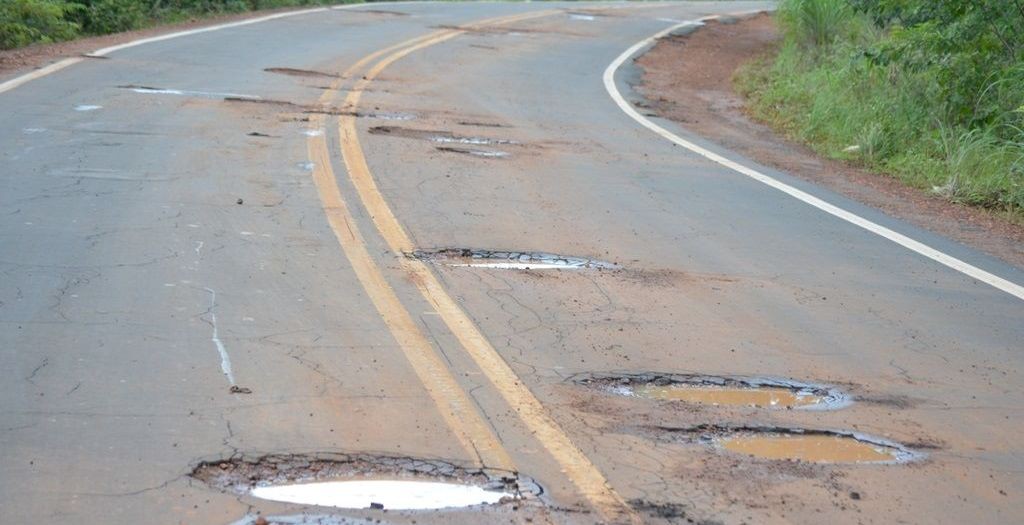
column 290, row 253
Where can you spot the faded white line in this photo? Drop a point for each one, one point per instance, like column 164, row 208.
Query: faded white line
column 87, row 107
column 225, row 360
column 967, row 269
column 61, row 64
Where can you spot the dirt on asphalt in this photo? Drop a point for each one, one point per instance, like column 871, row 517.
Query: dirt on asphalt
column 688, row 79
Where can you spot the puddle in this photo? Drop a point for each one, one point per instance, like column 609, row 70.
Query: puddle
column 474, row 152
column 814, row 449
column 441, row 137
column 509, row 260
column 365, row 482
column 767, row 397
column 793, row 444
column 761, row 392
column 383, row 494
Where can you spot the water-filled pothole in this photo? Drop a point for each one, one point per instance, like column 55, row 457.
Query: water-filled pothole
column 365, row 482
column 384, row 494
column 485, row 153
column 509, row 260
column 793, row 444
column 761, row 392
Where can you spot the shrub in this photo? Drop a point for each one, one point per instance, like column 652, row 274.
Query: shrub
column 23, row 22
column 111, row 16
column 926, row 90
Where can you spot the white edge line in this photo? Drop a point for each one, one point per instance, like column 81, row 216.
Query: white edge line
column 969, row 270
column 61, row 64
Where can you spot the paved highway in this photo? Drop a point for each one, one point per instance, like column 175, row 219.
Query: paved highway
column 216, row 253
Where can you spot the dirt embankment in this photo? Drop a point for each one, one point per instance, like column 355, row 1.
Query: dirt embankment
column 689, row 79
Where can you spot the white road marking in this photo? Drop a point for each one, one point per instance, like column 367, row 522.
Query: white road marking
column 61, row 64
column 87, row 107
column 225, row 360
column 969, row 270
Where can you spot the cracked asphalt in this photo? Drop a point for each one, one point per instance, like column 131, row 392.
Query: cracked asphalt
column 174, row 291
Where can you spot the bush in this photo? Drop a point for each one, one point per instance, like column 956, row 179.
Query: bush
column 111, row 16
column 926, row 90
column 24, row 22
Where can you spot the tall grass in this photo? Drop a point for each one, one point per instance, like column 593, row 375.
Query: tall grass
column 940, row 107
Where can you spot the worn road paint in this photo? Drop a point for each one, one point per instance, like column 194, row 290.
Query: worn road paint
column 577, row 467
column 61, row 64
column 87, row 107
column 458, row 411
column 225, row 359
column 918, row 247
column 390, row 494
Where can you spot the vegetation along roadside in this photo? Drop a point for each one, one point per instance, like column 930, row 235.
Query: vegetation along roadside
column 928, row 91
column 26, row 22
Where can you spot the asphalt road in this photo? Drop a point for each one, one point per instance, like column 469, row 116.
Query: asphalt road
column 181, row 218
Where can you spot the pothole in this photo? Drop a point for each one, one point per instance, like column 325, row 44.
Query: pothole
column 365, row 482
column 293, row 72
column 761, row 392
column 793, row 444
column 473, row 152
column 319, row 110
column 508, row 260
column 441, row 137
column 384, row 494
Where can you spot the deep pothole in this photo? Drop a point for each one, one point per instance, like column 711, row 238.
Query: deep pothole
column 509, row 260
column 366, row 482
column 761, row 392
column 791, row 444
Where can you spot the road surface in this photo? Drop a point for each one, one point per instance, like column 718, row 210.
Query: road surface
column 215, row 252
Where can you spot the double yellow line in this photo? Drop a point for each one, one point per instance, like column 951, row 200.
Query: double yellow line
column 455, row 406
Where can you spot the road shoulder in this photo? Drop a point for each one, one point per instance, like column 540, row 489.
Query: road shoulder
column 688, row 79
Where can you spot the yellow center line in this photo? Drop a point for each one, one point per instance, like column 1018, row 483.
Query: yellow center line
column 459, row 412
column 587, row 478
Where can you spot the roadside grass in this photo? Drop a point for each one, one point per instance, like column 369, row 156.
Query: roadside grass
column 867, row 92
column 27, row 22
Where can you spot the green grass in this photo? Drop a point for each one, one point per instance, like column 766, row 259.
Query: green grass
column 26, row 22
column 901, row 99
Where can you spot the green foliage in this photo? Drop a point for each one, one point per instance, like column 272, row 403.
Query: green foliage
column 931, row 91
column 24, row 22
column 110, row 16
column 815, row 22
